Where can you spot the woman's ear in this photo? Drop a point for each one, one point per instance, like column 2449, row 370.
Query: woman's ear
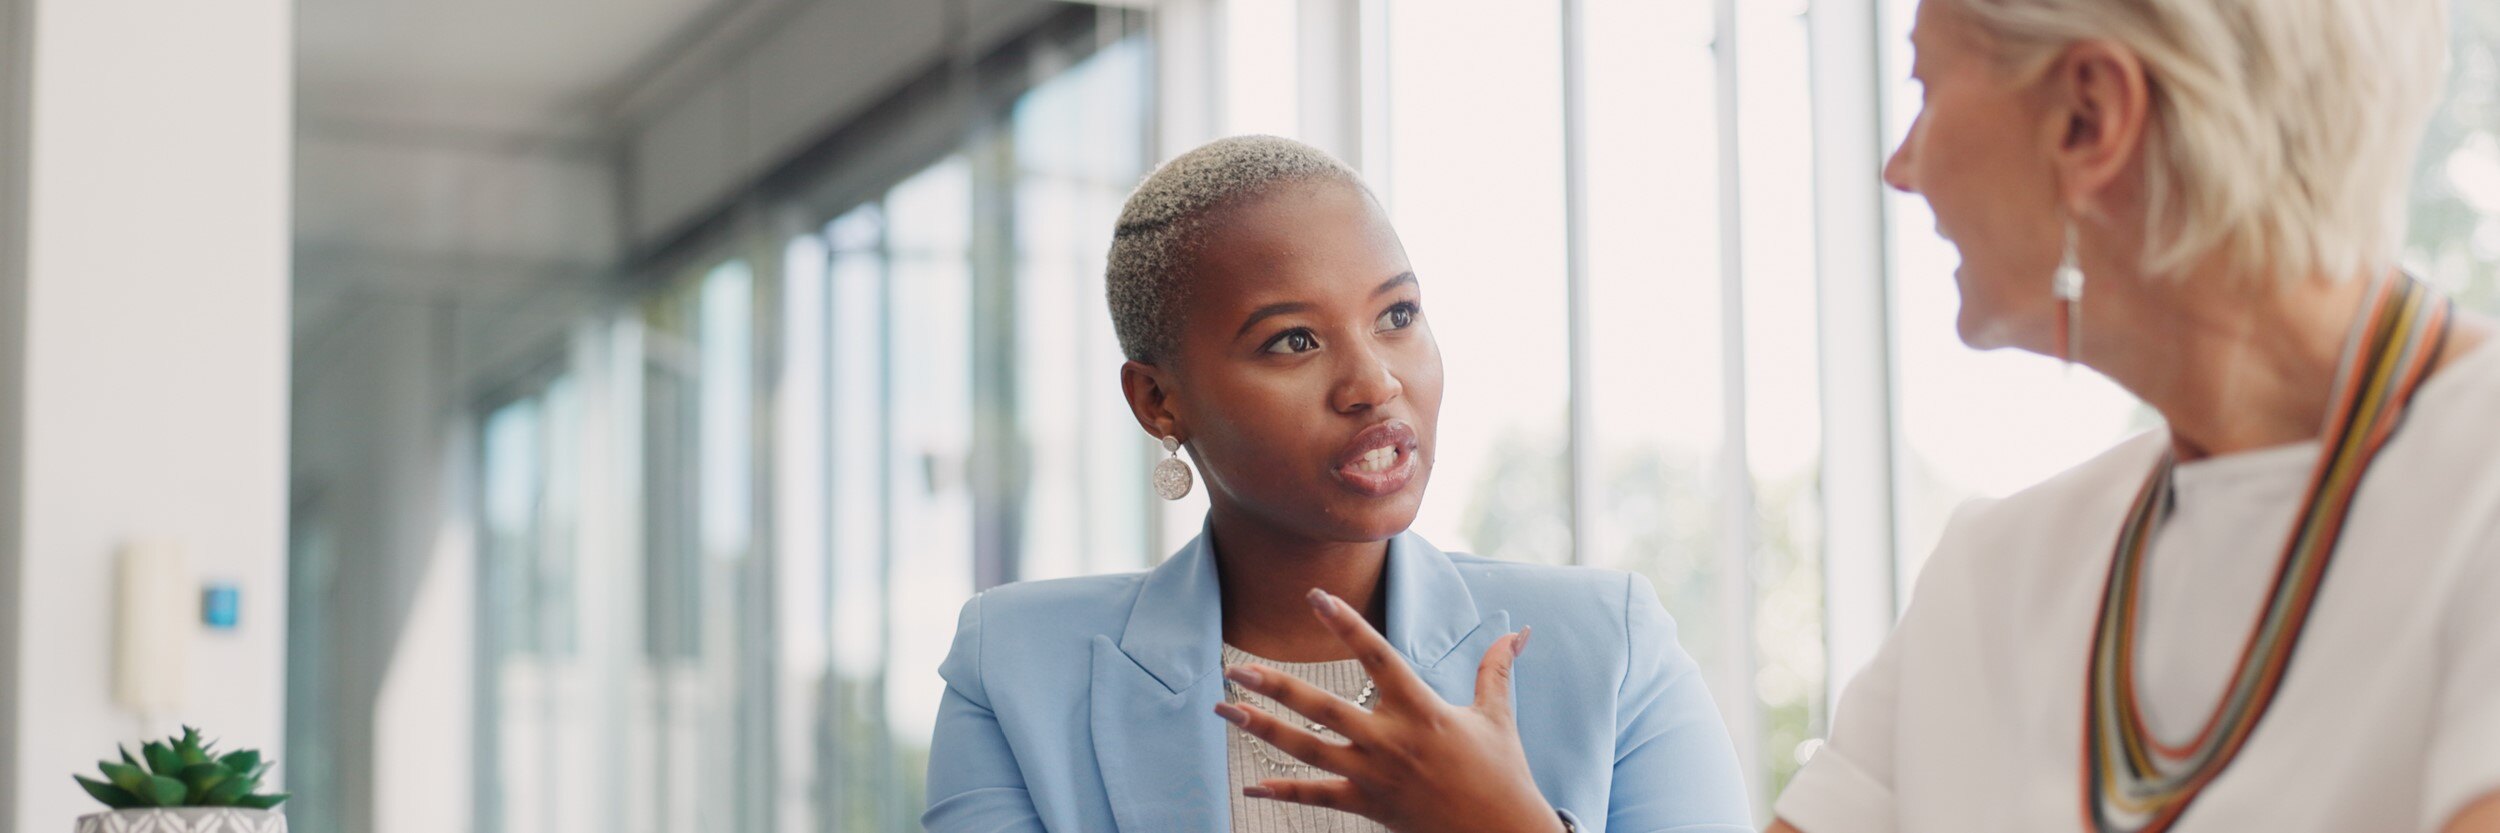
column 1150, row 400
column 2100, row 103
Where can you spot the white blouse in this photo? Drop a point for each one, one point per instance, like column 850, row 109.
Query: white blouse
column 1971, row 717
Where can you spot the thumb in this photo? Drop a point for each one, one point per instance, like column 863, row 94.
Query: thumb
column 1493, row 675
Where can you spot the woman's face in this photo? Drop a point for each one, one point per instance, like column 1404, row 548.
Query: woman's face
column 1306, row 377
column 1979, row 153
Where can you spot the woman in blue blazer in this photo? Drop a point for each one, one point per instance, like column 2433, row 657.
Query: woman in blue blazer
column 1275, row 329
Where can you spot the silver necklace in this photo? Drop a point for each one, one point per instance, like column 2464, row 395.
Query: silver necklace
column 1276, row 762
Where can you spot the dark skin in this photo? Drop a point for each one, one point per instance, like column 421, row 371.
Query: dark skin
column 1303, row 342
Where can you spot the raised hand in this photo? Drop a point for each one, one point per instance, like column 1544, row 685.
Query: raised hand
column 1414, row 763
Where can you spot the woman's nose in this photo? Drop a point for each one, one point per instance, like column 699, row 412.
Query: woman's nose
column 1897, row 169
column 1368, row 382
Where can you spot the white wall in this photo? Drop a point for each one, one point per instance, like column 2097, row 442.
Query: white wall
column 153, row 386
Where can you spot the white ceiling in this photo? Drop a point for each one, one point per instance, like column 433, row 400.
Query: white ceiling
column 448, row 149
column 467, row 150
column 503, row 68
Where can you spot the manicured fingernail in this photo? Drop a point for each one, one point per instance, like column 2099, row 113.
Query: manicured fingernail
column 1521, row 646
column 1243, row 674
column 1232, row 714
column 1321, row 601
column 1257, row 792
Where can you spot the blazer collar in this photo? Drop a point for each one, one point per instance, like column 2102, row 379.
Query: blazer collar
column 1158, row 744
column 1176, row 630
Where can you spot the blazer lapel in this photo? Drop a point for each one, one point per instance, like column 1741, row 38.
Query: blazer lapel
column 1161, row 751
column 1433, row 618
column 1156, row 737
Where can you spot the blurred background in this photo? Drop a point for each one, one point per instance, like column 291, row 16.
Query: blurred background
column 661, row 375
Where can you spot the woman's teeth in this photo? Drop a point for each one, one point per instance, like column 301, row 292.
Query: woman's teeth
column 1376, row 460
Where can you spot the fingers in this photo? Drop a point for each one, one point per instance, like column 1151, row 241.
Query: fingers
column 1493, row 675
column 1288, row 738
column 1390, row 674
column 1332, row 794
column 1305, row 699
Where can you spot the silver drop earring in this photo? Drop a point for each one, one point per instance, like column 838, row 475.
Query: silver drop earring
column 2068, row 287
column 1171, row 475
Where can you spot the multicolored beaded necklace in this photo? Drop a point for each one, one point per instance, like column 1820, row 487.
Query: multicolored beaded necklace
column 2134, row 783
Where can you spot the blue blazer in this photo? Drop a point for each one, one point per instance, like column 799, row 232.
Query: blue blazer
column 1087, row 704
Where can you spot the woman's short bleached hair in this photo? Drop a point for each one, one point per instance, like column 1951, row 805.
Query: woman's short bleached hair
column 1165, row 220
column 2283, row 132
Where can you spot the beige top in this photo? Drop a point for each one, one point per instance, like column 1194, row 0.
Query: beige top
column 1251, row 761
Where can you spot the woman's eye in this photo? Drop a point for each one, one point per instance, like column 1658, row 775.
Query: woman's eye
column 1293, row 341
column 1398, row 317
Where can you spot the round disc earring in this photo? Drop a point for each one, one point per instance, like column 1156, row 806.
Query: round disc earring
column 1172, row 478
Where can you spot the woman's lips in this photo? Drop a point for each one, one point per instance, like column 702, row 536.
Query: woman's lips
column 1380, row 460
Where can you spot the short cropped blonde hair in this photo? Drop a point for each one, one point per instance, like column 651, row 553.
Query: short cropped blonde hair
column 2283, row 132
column 1166, row 220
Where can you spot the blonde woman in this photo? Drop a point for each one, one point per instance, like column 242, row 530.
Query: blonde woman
column 2275, row 611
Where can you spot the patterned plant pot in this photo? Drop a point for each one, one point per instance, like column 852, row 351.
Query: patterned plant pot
column 184, row 820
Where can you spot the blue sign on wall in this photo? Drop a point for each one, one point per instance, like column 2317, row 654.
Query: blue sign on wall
column 220, row 606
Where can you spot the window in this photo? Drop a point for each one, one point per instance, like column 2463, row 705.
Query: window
column 723, row 543
column 950, row 418
column 2455, row 236
column 1085, row 488
column 1703, row 404
column 1475, row 150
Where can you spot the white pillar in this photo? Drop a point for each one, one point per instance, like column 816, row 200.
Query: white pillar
column 144, row 239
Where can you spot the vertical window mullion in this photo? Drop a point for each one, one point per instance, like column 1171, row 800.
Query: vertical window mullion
column 1855, row 317
column 1581, row 443
column 1734, row 691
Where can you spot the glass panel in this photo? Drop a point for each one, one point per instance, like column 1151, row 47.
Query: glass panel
column 654, row 670
column 930, row 563
column 1261, row 70
column 531, row 619
column 1783, row 400
column 706, row 645
column 2455, row 236
column 801, row 589
column 314, row 739
column 1656, row 337
column 515, row 789
column 659, row 714
column 1478, row 203
column 860, row 793
column 736, row 634
column 1085, row 497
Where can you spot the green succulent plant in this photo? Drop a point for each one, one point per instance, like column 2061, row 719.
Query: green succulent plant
column 182, row 772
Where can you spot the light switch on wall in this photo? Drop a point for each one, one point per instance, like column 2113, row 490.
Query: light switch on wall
column 152, row 627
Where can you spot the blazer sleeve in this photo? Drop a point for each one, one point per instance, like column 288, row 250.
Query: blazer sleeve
column 974, row 784
column 1675, row 768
